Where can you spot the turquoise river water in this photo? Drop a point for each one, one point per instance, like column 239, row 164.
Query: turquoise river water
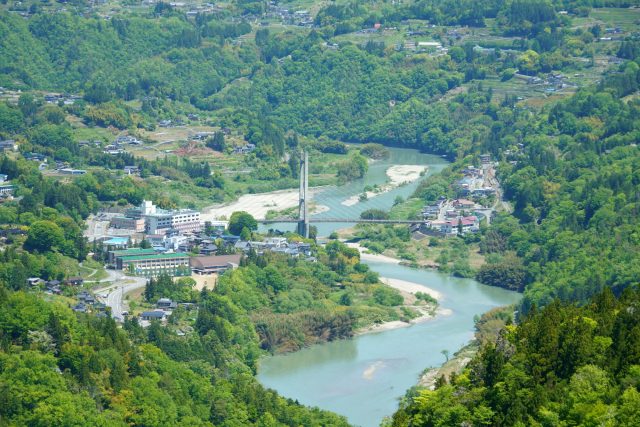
column 363, row 378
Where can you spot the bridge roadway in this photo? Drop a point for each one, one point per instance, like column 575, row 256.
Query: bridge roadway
column 349, row 220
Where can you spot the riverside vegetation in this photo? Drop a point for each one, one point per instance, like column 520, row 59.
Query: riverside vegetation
column 569, row 166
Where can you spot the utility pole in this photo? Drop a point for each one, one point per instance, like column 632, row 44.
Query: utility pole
column 303, row 207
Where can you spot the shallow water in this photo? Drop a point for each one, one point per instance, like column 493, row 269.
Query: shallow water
column 364, row 377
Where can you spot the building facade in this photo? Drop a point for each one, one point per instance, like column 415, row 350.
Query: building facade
column 125, row 223
column 160, row 221
column 174, row 264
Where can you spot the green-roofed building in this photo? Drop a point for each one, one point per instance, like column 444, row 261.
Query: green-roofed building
column 114, row 255
column 152, row 265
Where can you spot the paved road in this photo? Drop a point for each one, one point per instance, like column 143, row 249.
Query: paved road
column 492, row 181
column 97, row 227
column 113, row 294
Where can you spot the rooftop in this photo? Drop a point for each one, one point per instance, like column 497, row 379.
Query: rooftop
column 155, row 314
column 116, row 241
column 203, row 261
column 133, row 251
column 155, row 256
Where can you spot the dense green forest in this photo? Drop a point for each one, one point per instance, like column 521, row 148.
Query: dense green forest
column 570, row 167
column 58, row 368
column 61, row 368
column 359, row 92
column 295, row 303
column 574, row 185
column 571, row 172
column 561, row 366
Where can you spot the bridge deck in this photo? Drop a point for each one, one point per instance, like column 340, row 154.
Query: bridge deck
column 349, row 220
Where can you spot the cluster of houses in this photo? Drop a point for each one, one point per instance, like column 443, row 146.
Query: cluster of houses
column 611, row 34
column 278, row 245
column 454, row 226
column 61, row 98
column 88, row 143
column 462, row 215
column 55, row 286
column 203, row 9
column 117, row 146
column 114, row 148
column 164, row 257
column 8, row 145
column 431, row 47
column 37, row 157
column 301, row 18
column 164, row 307
column 450, row 217
column 432, row 211
column 201, row 136
column 244, row 149
column 127, row 139
column 87, row 303
column 473, row 183
column 551, row 82
column 166, row 123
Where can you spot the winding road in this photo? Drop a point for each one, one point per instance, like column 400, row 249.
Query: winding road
column 113, row 294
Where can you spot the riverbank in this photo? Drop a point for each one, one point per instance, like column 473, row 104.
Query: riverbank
column 408, row 291
column 426, row 314
column 454, row 365
column 258, row 204
column 365, row 255
column 410, row 287
column 397, row 175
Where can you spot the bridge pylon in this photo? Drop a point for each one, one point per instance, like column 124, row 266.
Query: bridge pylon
column 303, row 205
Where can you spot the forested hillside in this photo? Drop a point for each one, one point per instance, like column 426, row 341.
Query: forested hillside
column 58, row 368
column 279, row 81
column 356, row 72
column 571, row 172
column 575, row 186
column 561, row 366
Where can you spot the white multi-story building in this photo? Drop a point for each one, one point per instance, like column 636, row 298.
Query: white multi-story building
column 186, row 220
column 159, row 221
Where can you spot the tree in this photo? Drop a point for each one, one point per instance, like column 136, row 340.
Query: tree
column 150, row 290
column 245, row 234
column 262, row 37
column 28, row 105
column 240, row 220
column 44, row 236
column 346, row 299
column 217, row 142
column 508, row 272
column 374, row 214
column 313, row 232
column 11, row 118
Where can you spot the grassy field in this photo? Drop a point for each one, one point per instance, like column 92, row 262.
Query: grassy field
column 177, row 133
column 82, row 132
column 627, row 19
column 389, row 37
column 92, row 271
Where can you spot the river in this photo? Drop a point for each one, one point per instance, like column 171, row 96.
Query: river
column 363, row 378
column 332, row 197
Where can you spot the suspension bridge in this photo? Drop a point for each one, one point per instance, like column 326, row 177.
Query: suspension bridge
column 304, row 219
